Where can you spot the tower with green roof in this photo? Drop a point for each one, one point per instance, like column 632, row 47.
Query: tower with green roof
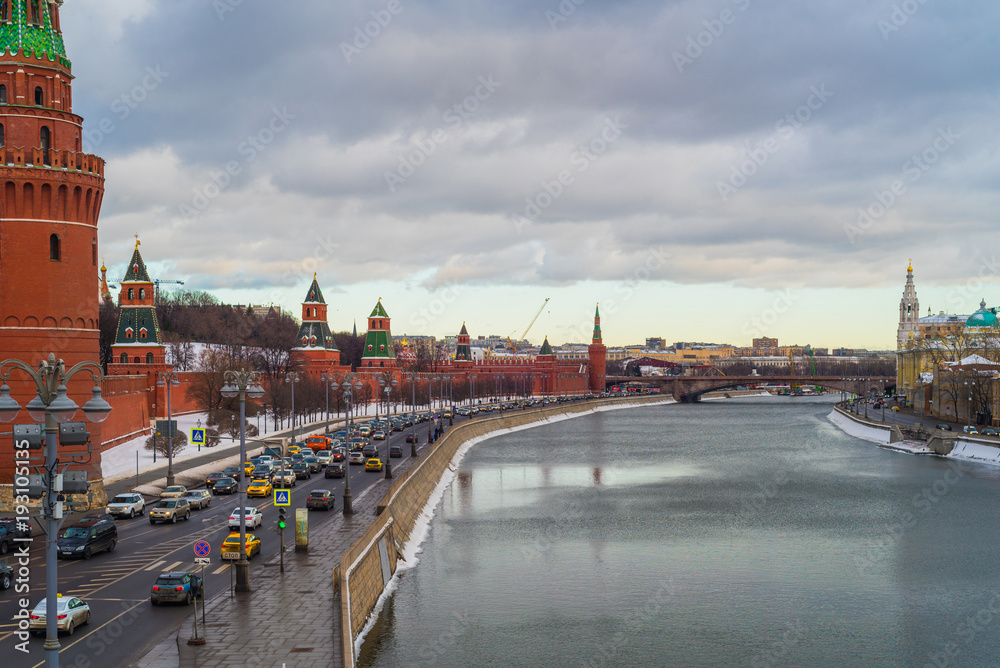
column 463, row 348
column 315, row 351
column 597, row 353
column 378, row 351
column 138, row 349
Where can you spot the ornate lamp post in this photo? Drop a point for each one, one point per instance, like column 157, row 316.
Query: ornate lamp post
column 243, row 384
column 413, row 378
column 168, row 379
column 327, row 379
column 52, row 406
column 349, row 381
column 291, row 378
column 382, row 382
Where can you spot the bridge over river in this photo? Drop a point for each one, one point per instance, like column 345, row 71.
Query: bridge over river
column 688, row 389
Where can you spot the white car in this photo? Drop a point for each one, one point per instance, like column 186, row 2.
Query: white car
column 173, row 492
column 266, row 459
column 72, row 613
column 286, row 479
column 357, row 457
column 254, row 518
column 324, row 457
column 127, row 505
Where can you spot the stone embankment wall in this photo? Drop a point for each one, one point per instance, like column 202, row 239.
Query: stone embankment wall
column 367, row 567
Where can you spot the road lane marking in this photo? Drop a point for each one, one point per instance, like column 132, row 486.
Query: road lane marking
column 220, row 569
column 153, row 567
column 110, row 621
column 167, row 569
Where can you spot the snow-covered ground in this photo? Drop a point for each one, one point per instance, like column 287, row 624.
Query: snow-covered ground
column 976, row 451
column 864, row 432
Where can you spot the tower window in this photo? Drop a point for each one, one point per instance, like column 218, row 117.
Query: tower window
column 149, row 358
column 1, row 135
column 4, row 10
column 36, row 10
column 128, row 332
column 46, row 139
column 55, row 251
column 124, row 358
column 142, row 293
column 39, row 97
column 142, row 333
column 131, row 294
column 3, row 88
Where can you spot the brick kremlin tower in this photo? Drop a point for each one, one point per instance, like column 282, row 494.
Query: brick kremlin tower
column 138, row 349
column 598, row 354
column 463, row 348
column 315, row 352
column 50, row 198
column 378, row 351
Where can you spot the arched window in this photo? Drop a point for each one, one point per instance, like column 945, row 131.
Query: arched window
column 136, row 360
column 46, row 139
column 3, row 88
column 4, row 10
column 142, row 333
column 142, row 293
column 55, row 251
column 1, row 134
column 36, row 10
column 39, row 97
column 131, row 294
column 128, row 332
column 149, row 358
column 124, row 358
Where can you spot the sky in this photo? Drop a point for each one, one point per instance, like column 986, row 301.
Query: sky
column 706, row 171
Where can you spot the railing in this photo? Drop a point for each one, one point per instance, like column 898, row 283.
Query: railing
column 52, row 159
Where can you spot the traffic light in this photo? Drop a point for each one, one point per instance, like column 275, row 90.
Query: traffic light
column 281, row 518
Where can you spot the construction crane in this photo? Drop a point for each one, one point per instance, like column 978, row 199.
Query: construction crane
column 514, row 344
column 156, row 283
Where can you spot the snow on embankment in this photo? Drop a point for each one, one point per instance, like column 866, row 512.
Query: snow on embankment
column 858, row 430
column 978, row 452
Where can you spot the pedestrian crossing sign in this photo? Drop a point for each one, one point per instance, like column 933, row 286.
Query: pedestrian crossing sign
column 197, row 436
column 282, row 497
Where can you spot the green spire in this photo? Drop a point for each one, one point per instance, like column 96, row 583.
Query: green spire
column 315, row 295
column 30, row 34
column 379, row 311
column 546, row 348
column 597, row 323
column 137, row 268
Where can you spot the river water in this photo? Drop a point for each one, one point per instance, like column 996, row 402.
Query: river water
column 746, row 532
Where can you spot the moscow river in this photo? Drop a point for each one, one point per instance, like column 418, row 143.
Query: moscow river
column 746, row 532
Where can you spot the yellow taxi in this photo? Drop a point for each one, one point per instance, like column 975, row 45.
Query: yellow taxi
column 373, row 464
column 294, row 449
column 231, row 546
column 248, row 468
column 260, row 488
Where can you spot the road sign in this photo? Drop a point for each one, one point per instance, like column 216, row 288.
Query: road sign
column 202, row 561
column 197, row 436
column 202, row 549
column 163, row 427
column 282, row 497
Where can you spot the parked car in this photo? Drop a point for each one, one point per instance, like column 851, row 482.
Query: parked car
column 320, row 498
column 175, row 587
column 72, row 612
column 85, row 538
column 225, row 486
column 198, row 498
column 126, row 505
column 253, row 519
column 15, row 527
column 170, row 510
column 395, row 451
column 944, row 427
column 334, row 470
column 6, row 539
column 173, row 492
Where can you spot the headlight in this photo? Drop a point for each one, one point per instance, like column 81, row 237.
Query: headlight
column 79, row 549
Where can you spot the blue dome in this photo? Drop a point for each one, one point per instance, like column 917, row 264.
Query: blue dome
column 982, row 318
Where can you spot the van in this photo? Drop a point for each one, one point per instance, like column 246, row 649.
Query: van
column 84, row 539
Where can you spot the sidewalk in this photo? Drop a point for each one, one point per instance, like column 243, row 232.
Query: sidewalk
column 290, row 619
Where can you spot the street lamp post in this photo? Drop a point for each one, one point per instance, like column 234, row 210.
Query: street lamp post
column 349, row 381
column 291, row 378
column 413, row 422
column 168, row 379
column 388, row 382
column 326, row 384
column 243, row 384
column 52, row 406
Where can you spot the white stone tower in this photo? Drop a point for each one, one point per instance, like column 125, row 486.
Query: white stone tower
column 909, row 311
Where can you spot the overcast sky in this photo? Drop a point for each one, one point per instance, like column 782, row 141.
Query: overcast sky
column 707, row 171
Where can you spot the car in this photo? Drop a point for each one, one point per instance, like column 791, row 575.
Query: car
column 285, row 479
column 373, row 464
column 213, row 478
column 263, row 472
column 320, row 498
column 324, row 457
column 334, row 470
column 231, row 546
column 225, row 486
column 313, row 463
column 85, row 538
column 6, row 540
column 378, row 435
column 231, row 472
column 301, row 470
column 365, row 431
column 369, row 451
column 338, row 455
column 170, row 510
column 357, row 457
column 294, row 449
column 412, row 438
column 307, row 452
column 173, row 492
column 260, row 488
column 18, row 528
column 198, row 498
column 395, row 451
column 175, row 587
column 6, row 577
column 71, row 613
column 127, row 505
column 895, row 408
column 970, row 430
column 248, row 468
column 253, row 518
column 944, row 427
column 988, row 432
column 266, row 459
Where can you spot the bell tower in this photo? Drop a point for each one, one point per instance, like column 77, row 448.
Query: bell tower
column 909, row 311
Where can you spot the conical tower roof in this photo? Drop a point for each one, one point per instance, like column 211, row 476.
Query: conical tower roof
column 137, row 268
column 315, row 295
column 465, row 331
column 597, row 323
column 546, row 348
column 379, row 311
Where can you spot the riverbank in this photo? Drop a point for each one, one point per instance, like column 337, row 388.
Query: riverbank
column 370, row 569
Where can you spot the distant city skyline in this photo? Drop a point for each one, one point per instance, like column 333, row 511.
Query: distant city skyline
column 660, row 162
